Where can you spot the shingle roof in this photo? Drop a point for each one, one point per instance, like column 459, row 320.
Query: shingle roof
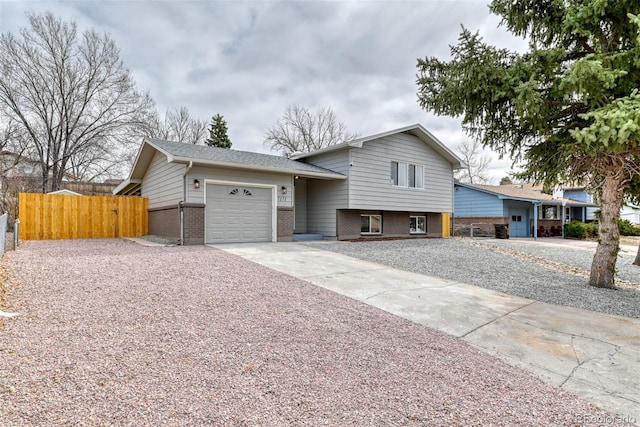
column 513, row 192
column 205, row 154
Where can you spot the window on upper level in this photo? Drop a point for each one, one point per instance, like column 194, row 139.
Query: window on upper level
column 407, row 175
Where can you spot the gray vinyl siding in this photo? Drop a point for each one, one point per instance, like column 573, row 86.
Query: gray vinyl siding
column 370, row 185
column 249, row 177
column 325, row 197
column 470, row 203
column 300, row 209
column 162, row 183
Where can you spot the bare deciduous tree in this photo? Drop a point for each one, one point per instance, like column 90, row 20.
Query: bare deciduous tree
column 70, row 94
column 298, row 130
column 476, row 163
column 179, row 125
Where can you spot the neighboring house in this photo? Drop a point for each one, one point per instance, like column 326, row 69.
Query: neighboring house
column 393, row 184
column 20, row 174
column 631, row 213
column 528, row 212
column 580, row 193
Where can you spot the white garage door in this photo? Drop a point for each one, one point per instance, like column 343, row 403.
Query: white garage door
column 238, row 214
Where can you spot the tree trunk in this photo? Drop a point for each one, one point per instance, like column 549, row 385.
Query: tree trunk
column 637, row 261
column 603, row 266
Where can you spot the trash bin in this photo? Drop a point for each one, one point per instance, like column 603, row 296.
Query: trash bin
column 502, row 231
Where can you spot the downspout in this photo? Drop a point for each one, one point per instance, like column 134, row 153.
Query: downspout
column 453, row 209
column 184, row 199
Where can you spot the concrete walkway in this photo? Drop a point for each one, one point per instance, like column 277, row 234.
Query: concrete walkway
column 593, row 355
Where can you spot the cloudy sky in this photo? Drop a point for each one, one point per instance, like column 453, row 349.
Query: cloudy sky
column 249, row 60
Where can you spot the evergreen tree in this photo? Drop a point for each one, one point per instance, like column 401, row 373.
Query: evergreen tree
column 568, row 109
column 218, row 133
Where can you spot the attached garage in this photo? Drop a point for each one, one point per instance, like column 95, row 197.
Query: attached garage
column 239, row 212
column 201, row 195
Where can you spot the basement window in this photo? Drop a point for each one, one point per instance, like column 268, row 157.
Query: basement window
column 418, row 225
column 370, row 224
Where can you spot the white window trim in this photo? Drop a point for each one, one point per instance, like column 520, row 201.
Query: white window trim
column 403, row 175
column 371, row 233
column 425, row 224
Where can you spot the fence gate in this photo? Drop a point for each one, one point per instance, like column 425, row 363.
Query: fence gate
column 61, row 216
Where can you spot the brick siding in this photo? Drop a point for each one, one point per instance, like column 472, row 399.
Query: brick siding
column 285, row 224
column 394, row 224
column 193, row 224
column 348, row 224
column 165, row 223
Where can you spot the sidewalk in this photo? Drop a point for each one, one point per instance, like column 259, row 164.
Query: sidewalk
column 591, row 354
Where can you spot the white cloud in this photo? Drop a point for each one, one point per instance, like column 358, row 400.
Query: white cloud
column 249, row 60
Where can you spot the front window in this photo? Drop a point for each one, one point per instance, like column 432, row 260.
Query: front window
column 418, row 224
column 370, row 224
column 407, row 175
column 549, row 212
column 415, row 176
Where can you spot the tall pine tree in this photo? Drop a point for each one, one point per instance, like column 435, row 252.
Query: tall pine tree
column 568, row 109
column 218, row 136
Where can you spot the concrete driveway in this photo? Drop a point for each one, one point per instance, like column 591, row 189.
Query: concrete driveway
column 591, row 354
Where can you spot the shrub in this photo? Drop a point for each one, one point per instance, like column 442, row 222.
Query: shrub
column 627, row 228
column 592, row 230
column 580, row 230
column 575, row 230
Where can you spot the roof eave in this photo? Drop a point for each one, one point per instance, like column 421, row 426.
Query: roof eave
column 304, row 173
column 126, row 187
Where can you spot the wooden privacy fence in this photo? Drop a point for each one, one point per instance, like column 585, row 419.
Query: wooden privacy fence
column 60, row 216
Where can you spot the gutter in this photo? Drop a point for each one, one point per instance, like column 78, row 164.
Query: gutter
column 300, row 172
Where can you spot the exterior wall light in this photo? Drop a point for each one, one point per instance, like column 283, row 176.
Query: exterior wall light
column 283, row 189
column 196, row 184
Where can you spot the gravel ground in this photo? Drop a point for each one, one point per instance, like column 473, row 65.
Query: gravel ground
column 114, row 333
column 472, row 261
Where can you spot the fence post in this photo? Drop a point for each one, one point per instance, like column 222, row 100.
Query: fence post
column 16, row 233
column 3, row 232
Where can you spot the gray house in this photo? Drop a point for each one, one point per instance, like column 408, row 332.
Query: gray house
column 393, row 184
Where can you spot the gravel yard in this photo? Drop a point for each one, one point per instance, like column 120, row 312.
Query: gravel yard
column 114, row 333
column 481, row 263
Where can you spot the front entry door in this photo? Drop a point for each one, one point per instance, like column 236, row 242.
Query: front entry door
column 518, row 223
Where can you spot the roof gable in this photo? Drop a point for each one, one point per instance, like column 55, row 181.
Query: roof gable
column 416, row 130
column 178, row 152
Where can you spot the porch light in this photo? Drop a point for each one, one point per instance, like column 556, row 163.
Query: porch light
column 283, row 189
column 196, row 184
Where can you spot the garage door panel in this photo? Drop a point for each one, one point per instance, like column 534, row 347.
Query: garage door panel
column 238, row 214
